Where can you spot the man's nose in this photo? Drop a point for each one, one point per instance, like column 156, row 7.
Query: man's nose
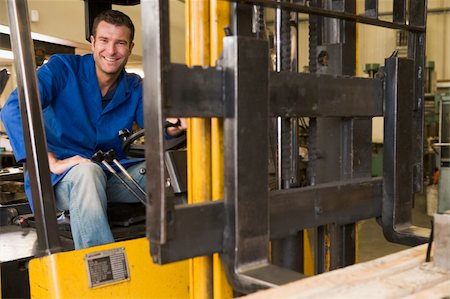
column 111, row 48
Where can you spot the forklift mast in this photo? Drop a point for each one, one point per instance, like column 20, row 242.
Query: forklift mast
column 246, row 93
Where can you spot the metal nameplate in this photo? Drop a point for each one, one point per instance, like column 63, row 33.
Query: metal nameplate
column 107, row 267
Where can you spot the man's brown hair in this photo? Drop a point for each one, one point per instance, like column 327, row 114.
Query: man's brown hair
column 114, row 17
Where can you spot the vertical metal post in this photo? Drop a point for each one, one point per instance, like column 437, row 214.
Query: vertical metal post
column 91, row 10
column 399, row 12
column 246, row 237
column 33, row 128
column 286, row 252
column 241, row 19
column 283, row 63
column 336, row 246
column 398, row 156
column 311, row 236
column 416, row 52
column 293, row 26
column 259, row 22
column 371, row 8
column 155, row 26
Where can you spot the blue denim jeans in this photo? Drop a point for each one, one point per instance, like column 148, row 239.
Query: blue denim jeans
column 85, row 192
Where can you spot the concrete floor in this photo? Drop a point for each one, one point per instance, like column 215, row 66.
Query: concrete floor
column 372, row 243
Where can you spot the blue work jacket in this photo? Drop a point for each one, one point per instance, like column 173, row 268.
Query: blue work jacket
column 75, row 122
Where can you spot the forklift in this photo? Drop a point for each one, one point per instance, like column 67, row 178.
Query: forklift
column 247, row 102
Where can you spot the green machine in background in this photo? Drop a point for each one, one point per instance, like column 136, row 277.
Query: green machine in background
column 431, row 124
column 437, row 143
column 443, row 145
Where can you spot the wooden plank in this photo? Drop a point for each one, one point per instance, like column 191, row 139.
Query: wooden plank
column 441, row 257
column 394, row 276
column 439, row 291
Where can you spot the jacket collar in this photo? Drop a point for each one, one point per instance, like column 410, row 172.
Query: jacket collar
column 122, row 90
column 121, row 94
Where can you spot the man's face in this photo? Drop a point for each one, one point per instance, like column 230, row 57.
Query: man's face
column 112, row 47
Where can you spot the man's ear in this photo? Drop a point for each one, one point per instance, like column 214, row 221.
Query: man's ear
column 92, row 38
column 131, row 47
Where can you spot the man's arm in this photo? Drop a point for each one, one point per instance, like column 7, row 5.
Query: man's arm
column 10, row 113
column 59, row 166
column 12, row 121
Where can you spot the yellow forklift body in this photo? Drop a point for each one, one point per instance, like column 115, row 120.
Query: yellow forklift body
column 101, row 272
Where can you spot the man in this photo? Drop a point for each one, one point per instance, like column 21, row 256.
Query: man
column 86, row 100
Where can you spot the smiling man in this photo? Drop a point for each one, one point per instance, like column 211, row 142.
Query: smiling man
column 86, row 100
column 112, row 45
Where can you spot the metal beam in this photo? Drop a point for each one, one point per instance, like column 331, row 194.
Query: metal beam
column 197, row 91
column 335, row 202
column 290, row 210
column 332, row 14
column 301, row 94
column 155, row 26
column 194, row 92
column 190, row 226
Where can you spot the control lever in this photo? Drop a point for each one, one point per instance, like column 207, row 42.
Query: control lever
column 99, row 157
column 110, row 156
column 124, row 134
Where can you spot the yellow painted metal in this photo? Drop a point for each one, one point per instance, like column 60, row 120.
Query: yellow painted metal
column 200, row 282
column 327, row 248
column 308, row 253
column 220, row 18
column 199, row 161
column 217, row 158
column 199, row 140
column 221, row 287
column 65, row 275
column 356, row 243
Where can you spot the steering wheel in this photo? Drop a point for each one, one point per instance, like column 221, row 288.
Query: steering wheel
column 138, row 150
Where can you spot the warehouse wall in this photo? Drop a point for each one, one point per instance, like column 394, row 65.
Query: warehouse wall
column 65, row 19
column 375, row 44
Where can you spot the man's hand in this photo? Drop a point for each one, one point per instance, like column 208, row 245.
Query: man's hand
column 59, row 166
column 177, row 130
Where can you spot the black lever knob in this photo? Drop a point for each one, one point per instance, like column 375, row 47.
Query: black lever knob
column 124, row 134
column 98, row 157
column 110, row 155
